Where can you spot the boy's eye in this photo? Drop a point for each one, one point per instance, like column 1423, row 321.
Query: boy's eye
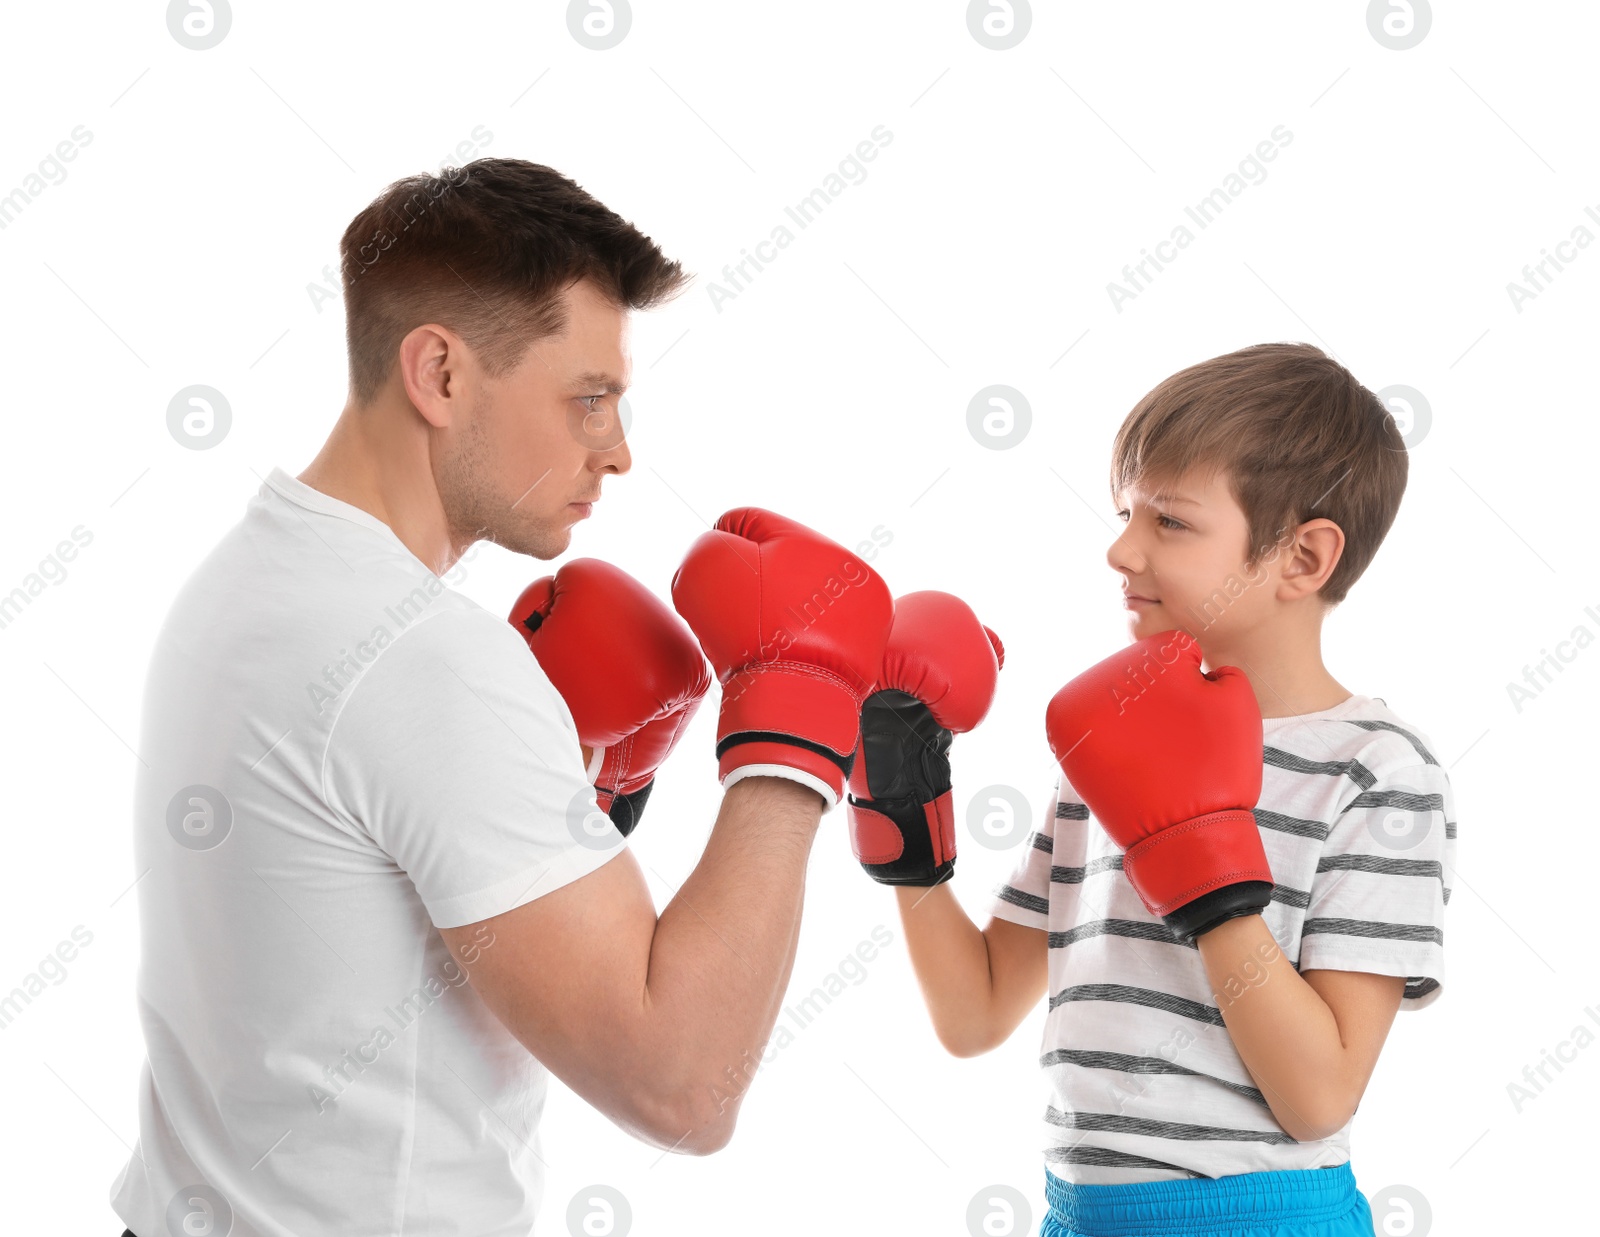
column 1165, row 521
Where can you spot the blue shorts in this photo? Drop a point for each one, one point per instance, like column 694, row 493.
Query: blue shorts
column 1302, row 1202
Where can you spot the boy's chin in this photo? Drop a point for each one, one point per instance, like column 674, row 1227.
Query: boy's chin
column 1147, row 621
column 1152, row 621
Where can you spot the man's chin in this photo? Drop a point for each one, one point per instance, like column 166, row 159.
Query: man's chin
column 541, row 543
column 552, row 544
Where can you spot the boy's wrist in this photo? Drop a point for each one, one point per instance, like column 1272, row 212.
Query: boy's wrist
column 911, row 897
column 1234, row 927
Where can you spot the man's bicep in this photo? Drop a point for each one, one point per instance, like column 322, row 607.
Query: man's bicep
column 565, row 973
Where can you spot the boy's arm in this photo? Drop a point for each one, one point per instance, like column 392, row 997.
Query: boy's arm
column 1309, row 1040
column 978, row 986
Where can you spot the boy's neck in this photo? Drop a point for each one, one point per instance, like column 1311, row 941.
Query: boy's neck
column 1283, row 662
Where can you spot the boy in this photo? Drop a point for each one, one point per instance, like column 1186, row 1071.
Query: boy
column 1203, row 1068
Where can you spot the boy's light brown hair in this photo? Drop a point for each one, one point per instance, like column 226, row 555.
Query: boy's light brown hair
column 1297, row 437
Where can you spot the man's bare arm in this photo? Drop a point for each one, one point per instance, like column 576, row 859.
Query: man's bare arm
column 657, row 1022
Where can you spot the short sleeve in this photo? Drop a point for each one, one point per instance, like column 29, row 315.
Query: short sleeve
column 1382, row 883
column 455, row 754
column 1024, row 896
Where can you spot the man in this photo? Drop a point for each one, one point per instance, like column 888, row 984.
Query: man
column 362, row 790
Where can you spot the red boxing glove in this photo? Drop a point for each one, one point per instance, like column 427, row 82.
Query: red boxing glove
column 795, row 626
column 1169, row 761
column 939, row 675
column 630, row 672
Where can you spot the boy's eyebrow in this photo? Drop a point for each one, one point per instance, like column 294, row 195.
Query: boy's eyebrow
column 1167, row 497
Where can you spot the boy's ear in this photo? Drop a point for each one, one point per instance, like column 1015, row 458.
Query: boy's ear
column 1310, row 560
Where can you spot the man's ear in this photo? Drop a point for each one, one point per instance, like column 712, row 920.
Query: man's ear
column 1310, row 559
column 431, row 358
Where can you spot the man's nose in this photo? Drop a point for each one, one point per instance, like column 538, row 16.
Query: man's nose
column 618, row 459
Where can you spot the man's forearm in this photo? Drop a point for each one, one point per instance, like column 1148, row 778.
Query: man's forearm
column 1285, row 1032
column 724, row 949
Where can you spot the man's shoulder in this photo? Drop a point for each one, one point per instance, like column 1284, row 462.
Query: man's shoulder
column 454, row 635
column 458, row 675
column 309, row 559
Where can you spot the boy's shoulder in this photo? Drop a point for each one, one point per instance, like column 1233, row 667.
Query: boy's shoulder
column 1361, row 729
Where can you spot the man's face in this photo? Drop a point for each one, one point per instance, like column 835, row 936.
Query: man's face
column 1182, row 562
column 531, row 452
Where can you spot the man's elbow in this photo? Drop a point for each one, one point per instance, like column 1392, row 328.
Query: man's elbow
column 689, row 1125
column 704, row 1139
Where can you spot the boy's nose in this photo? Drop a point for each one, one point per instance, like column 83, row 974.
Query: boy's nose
column 1122, row 555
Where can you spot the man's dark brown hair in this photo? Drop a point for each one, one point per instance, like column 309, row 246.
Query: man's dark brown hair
column 1297, row 437
column 486, row 250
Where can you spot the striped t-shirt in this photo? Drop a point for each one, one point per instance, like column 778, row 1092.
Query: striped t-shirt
column 1145, row 1083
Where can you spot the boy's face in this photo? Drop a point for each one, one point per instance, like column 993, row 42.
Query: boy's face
column 1182, row 561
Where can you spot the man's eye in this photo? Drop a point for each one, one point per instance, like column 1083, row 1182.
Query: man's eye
column 591, row 400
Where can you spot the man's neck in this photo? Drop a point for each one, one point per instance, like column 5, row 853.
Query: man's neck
column 388, row 476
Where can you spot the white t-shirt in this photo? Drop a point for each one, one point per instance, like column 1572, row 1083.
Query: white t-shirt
column 340, row 755
column 1145, row 1083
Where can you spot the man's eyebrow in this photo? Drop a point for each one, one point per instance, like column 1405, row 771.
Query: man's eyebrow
column 594, row 378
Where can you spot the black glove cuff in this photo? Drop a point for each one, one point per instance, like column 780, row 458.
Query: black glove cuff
column 1195, row 919
column 626, row 809
column 915, row 864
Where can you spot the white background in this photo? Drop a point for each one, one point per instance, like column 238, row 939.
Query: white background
column 179, row 247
